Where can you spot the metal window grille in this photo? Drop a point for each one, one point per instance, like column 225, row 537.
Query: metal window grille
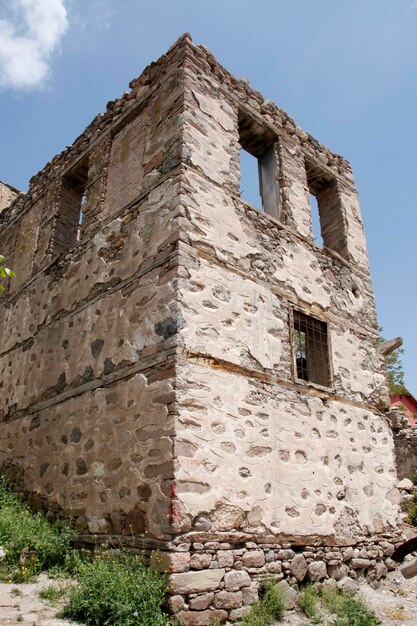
column 311, row 349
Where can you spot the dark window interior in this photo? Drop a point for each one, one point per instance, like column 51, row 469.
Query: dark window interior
column 258, row 183
column 327, row 216
column 71, row 208
column 311, row 349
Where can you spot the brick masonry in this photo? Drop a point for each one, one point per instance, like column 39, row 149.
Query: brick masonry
column 149, row 380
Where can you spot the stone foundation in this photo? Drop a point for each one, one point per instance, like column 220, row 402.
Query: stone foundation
column 219, row 579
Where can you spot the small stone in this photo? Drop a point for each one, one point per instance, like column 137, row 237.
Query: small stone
column 388, row 548
column 285, row 555
column 274, row 568
column 381, row 571
column 2, row 553
column 234, row 580
column 176, row 603
column 299, row 567
column 317, row 570
column 290, row 594
column 202, row 602
column 225, row 558
column 409, row 569
column 348, row 584
column 391, row 564
column 348, row 554
column 98, row 526
column 250, row 595
column 170, row 561
column 236, row 615
column 360, row 563
column 200, row 561
column 338, row 571
column 329, row 583
column 405, row 484
column 228, row 600
column 81, row 466
column 196, row 581
column 201, row 618
column 270, row 556
column 255, row 558
column 202, row 523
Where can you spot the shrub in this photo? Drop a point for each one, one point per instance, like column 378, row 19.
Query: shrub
column 47, row 545
column 117, row 591
column 270, row 607
column 308, row 601
column 349, row 611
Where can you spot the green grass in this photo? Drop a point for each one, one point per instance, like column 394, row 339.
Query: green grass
column 412, row 515
column 348, row 610
column 308, row 600
column 117, row 591
column 110, row 590
column 413, row 478
column 55, row 593
column 271, row 606
column 48, row 545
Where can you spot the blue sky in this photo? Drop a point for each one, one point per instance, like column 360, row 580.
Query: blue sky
column 345, row 70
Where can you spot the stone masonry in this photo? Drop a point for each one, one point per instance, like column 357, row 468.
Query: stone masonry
column 184, row 372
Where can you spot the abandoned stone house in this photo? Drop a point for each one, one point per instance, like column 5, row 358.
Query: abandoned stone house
column 184, row 371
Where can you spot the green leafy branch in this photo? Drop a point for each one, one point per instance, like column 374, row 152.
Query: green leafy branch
column 5, row 273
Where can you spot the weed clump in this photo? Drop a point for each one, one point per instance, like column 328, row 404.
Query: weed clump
column 413, row 478
column 346, row 609
column 270, row 607
column 412, row 515
column 117, row 591
column 308, row 601
column 31, row 543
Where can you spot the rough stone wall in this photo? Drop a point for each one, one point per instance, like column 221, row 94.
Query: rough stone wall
column 148, row 370
column 89, row 326
column 257, row 451
column 7, row 195
column 405, row 441
column 267, row 467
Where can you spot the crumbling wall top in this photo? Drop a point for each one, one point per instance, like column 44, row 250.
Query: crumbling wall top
column 7, row 195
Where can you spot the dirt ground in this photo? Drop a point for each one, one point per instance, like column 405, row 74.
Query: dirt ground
column 395, row 603
column 20, row 605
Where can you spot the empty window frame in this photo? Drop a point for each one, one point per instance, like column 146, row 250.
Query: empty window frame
column 72, row 201
column 258, row 165
column 311, row 349
column 327, row 215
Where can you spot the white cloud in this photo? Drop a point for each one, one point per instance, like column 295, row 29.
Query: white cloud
column 28, row 37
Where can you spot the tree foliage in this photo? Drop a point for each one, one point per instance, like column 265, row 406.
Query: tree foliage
column 395, row 370
column 5, row 273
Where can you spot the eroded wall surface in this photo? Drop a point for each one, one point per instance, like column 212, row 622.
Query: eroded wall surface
column 275, row 476
column 406, row 451
column 89, row 324
column 7, row 195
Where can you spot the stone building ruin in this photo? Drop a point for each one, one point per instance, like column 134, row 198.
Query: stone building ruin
column 184, row 372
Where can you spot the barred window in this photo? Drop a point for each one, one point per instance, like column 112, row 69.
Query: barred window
column 311, row 349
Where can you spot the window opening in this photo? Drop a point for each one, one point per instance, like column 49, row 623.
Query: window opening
column 249, row 179
column 71, row 210
column 315, row 220
column 311, row 349
column 328, row 224
column 258, row 165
